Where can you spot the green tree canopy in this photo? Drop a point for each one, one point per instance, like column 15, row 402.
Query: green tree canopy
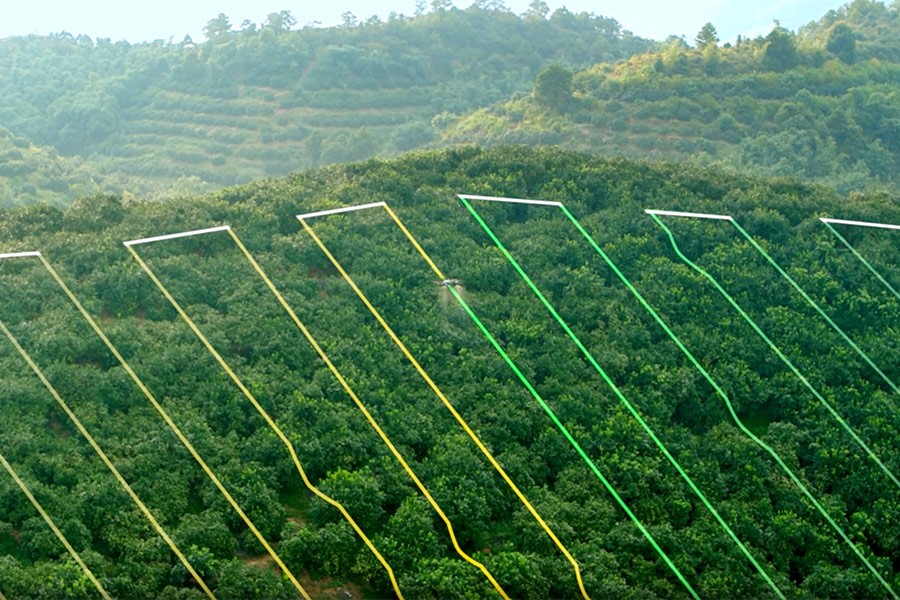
column 842, row 43
column 553, row 87
column 707, row 36
column 780, row 50
column 343, row 455
column 217, row 27
column 538, row 9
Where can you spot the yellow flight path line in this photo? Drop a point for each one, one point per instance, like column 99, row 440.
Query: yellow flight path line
column 59, row 534
column 271, row 423
column 384, row 437
column 414, row 242
column 462, row 422
column 84, row 432
column 181, row 437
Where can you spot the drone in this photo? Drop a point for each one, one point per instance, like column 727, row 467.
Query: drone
column 445, row 296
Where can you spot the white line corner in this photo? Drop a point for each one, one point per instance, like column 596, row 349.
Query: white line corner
column 19, row 254
column 343, row 209
column 690, row 215
column 173, row 236
column 509, row 200
column 860, row 223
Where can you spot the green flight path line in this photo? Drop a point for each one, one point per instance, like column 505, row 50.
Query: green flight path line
column 868, row 265
column 562, row 428
column 757, row 440
column 630, row 407
column 512, row 365
column 817, row 308
column 790, row 365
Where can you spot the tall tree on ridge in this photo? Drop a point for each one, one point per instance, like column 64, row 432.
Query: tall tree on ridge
column 707, row 36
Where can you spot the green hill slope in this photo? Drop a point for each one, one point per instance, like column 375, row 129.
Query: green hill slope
column 266, row 100
column 789, row 538
column 822, row 105
column 31, row 175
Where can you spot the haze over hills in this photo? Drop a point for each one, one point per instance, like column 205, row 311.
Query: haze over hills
column 170, row 20
column 821, row 105
column 168, row 119
column 268, row 100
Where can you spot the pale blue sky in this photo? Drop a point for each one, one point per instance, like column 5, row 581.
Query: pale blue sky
column 164, row 19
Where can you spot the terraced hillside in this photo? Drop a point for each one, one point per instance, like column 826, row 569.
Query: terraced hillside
column 264, row 131
column 29, row 174
column 170, row 118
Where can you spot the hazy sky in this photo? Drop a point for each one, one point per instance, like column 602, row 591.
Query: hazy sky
column 138, row 21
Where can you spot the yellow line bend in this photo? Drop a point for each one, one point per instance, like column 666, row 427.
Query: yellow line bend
column 462, row 422
column 337, row 374
column 178, row 433
column 265, row 415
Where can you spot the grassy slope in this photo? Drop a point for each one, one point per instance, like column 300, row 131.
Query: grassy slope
column 30, row 174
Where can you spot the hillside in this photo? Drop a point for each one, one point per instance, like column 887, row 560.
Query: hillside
column 822, row 104
column 170, row 119
column 31, row 175
column 766, row 537
column 165, row 118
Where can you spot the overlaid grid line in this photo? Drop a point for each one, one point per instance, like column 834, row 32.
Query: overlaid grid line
column 446, row 402
column 172, row 426
column 264, row 414
column 618, row 393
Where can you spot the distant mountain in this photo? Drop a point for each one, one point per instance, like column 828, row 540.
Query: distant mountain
column 165, row 120
column 266, row 100
column 823, row 104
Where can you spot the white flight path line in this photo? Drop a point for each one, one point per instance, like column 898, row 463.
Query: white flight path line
column 343, row 209
column 172, row 236
column 675, row 213
column 859, row 223
column 19, row 254
column 510, row 200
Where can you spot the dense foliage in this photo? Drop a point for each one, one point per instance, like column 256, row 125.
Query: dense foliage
column 174, row 118
column 258, row 100
column 343, row 455
column 30, row 174
column 822, row 104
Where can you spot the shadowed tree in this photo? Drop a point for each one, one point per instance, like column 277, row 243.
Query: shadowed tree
column 553, row 87
column 781, row 50
column 842, row 43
